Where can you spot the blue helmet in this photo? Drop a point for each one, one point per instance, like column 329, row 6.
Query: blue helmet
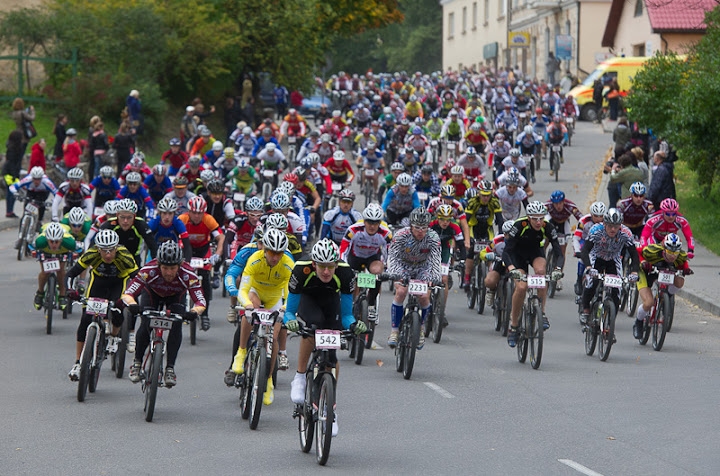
column 637, row 188
column 417, row 130
column 557, row 196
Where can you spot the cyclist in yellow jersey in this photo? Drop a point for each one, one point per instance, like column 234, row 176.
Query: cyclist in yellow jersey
column 264, row 283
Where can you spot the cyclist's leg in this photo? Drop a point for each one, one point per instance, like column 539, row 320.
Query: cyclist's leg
column 538, row 264
column 376, row 267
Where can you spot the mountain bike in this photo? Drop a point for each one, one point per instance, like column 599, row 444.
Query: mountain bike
column 600, row 325
column 552, row 263
column 502, row 303
column 28, row 226
column 556, row 154
column 475, row 289
column 629, row 300
column 292, row 150
column 317, row 413
column 198, row 264
column 268, row 179
column 51, row 265
column 409, row 332
column 530, row 331
column 656, row 321
column 369, row 188
column 435, row 322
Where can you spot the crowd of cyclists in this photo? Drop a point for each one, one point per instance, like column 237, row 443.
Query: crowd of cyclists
column 445, row 164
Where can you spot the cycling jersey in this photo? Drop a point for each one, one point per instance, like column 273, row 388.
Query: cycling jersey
column 157, row 190
column 473, row 168
column 561, row 216
column 134, row 236
column 511, row 203
column 67, row 245
column 144, row 171
column 104, row 192
column 523, row 242
column 221, row 211
column 447, row 235
column 654, row 253
column 634, row 215
column 175, row 232
column 236, row 268
column 599, row 245
column 45, row 186
column 245, row 144
column 656, row 228
column 399, row 203
column 527, row 141
column 581, row 232
column 121, row 267
column 431, row 186
column 458, row 210
column 187, row 171
column 74, row 197
column 149, row 278
column 359, row 243
column 415, row 259
column 271, row 162
column 141, row 198
column 243, row 182
column 202, row 233
column 182, row 202
column 82, row 232
column 479, row 213
column 417, row 143
column 339, row 171
column 239, row 233
column 336, row 223
column 556, row 134
column 460, row 187
column 176, row 161
column 270, row 283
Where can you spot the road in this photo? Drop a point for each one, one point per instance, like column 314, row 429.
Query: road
column 470, row 407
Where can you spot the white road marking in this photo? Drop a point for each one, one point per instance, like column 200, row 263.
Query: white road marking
column 375, row 346
column 440, row 390
column 579, row 468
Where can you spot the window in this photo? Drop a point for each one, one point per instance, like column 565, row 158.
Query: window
column 474, row 16
column 451, row 25
column 502, row 8
column 639, row 49
column 464, row 20
column 638, row 8
column 567, row 27
column 487, row 11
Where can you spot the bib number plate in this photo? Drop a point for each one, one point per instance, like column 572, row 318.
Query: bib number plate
column 445, row 269
column 51, row 265
column 30, row 208
column 556, row 148
column 417, row 288
column 268, row 173
column 160, row 323
column 422, row 196
column 366, row 280
column 265, row 317
column 666, row 278
column 523, row 115
column 561, row 240
column 239, row 197
column 613, row 281
column 478, row 247
column 336, row 187
column 451, row 146
column 536, row 281
column 569, row 120
column 97, row 306
column 292, row 139
column 327, row 339
column 197, row 263
column 369, row 172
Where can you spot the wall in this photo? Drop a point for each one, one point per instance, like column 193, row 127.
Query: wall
column 465, row 48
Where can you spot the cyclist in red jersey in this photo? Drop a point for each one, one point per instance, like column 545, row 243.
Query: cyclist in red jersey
column 635, row 209
column 667, row 220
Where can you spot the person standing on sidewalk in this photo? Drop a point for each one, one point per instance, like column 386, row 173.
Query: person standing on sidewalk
column 552, row 66
column 662, row 185
column 11, row 168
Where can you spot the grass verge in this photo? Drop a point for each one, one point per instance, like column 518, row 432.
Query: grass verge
column 702, row 213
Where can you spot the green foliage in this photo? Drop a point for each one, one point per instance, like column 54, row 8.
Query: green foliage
column 700, row 209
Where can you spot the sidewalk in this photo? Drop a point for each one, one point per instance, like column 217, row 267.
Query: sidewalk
column 700, row 288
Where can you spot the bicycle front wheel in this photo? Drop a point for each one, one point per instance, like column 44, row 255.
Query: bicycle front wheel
column 498, row 306
column 412, row 337
column 509, row 289
column 258, row 379
column 535, row 333
column 670, row 313
column 632, row 300
column 119, row 356
column 152, row 381
column 522, row 341
column 472, row 290
column 607, row 329
column 480, row 282
column 85, row 361
column 325, row 418
column 659, row 326
column 50, row 290
column 22, row 245
column 552, row 285
column 438, row 311
column 590, row 331
column 306, row 426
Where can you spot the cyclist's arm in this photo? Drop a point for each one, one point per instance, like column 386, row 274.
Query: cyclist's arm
column 634, row 257
column 147, row 236
column 585, row 252
column 685, row 227
column 291, row 307
column 346, row 304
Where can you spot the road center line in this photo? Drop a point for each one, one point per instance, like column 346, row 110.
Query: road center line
column 579, row 468
column 440, row 390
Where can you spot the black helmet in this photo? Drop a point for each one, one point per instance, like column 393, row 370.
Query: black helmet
column 420, row 217
column 169, row 254
column 216, row 186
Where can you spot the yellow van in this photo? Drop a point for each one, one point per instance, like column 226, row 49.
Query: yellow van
column 624, row 69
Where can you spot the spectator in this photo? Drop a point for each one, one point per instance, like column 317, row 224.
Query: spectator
column 124, row 145
column 11, row 168
column 638, row 155
column 247, row 92
column 59, row 132
column 98, row 145
column 613, row 188
column 621, row 137
column 37, row 155
column 613, row 97
column 188, row 126
column 231, row 115
column 662, row 185
column 200, row 113
column 134, row 108
column 552, row 66
column 566, row 83
column 20, row 115
column 296, row 99
column 281, row 100
column 625, row 174
column 71, row 149
column 598, row 87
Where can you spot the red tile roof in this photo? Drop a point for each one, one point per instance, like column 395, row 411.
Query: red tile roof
column 678, row 15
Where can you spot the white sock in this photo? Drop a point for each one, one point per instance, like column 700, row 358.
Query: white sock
column 641, row 313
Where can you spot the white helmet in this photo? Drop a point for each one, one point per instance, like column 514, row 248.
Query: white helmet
column 246, row 131
column 536, row 208
column 404, row 180
column 54, row 232
column 325, row 251
column 167, row 204
column 598, row 209
column 76, row 216
column 75, row 174
column 277, row 221
column 280, row 201
column 397, row 166
column 270, row 147
column 373, row 212
column 37, row 172
column 217, row 146
column 507, row 225
column 254, row 204
column 457, row 170
column 107, row 239
column 133, row 177
column 275, row 240
column 207, row 175
column 110, row 207
column 339, row 155
column 107, row 172
column 127, row 205
column 528, row 129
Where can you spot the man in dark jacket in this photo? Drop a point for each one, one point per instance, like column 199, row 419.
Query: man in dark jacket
column 662, row 185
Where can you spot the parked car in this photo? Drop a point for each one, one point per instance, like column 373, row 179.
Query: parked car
column 311, row 105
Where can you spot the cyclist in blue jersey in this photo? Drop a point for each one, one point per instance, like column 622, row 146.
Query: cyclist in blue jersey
column 167, row 227
column 105, row 185
column 135, row 192
column 158, row 184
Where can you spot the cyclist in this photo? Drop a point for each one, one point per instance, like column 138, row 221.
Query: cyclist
column 603, row 253
column 105, row 185
column 370, row 159
column 280, row 203
column 453, row 129
column 492, row 255
column 202, row 228
column 496, row 152
column 74, row 192
column 396, row 168
column 365, row 244
column 272, row 158
column 476, row 136
column 556, row 134
column 666, row 256
column 167, row 227
column 191, row 171
column 133, row 231
column 458, row 181
column 473, row 166
column 199, row 187
column 241, row 228
column 134, row 191
column 337, row 220
column 560, row 210
column 38, row 188
column 220, row 207
column 226, row 163
column 163, row 281
column 400, row 200
column 483, row 211
column 635, row 209
column 339, row 168
column 597, row 212
column 419, row 143
column 77, row 223
column 511, row 197
column 53, row 241
column 513, row 160
column 264, row 283
column 447, row 197
column 136, row 164
column 174, row 158
column 180, row 194
column 425, row 180
column 415, row 252
column 111, row 266
column 528, row 141
column 158, row 184
column 450, row 235
column 523, row 248
column 242, row 177
column 667, row 220
column 308, row 144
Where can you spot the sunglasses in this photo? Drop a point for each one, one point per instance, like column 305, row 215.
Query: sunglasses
column 274, row 253
column 372, row 222
column 670, row 214
column 638, row 196
column 419, row 228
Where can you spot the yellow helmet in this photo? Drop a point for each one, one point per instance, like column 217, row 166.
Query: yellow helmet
column 444, row 211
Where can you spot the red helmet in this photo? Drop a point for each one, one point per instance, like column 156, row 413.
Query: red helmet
column 197, row 204
column 366, row 131
column 291, row 177
column 538, row 109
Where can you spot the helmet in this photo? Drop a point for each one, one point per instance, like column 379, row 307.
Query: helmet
column 536, row 208
column 270, row 147
column 180, row 181
column 475, row 127
column 174, row 141
column 613, row 217
column 457, row 170
column 306, row 162
column 54, row 232
column 447, row 190
column 71, row 132
column 277, row 221
column 598, row 209
column 514, row 152
column 107, row 239
column 258, row 233
column 453, row 113
column 471, row 151
column 486, row 187
column 435, row 114
column 197, row 204
column 672, row 242
column 413, row 98
column 139, row 156
column 75, row 174
column 217, row 146
column 637, row 188
column 228, row 152
column 246, row 131
column 325, row 138
column 107, row 172
column 513, row 178
column 325, row 251
column 538, row 110
column 373, row 212
column 426, row 169
column 336, row 113
column 194, row 161
column 556, row 118
column 314, row 157
column 167, row 205
column 76, row 216
column 420, row 217
column 254, row 204
column 314, row 133
column 275, row 240
column 127, row 205
column 133, row 177
column 110, row 207
column 444, row 211
column 280, row 201
column 339, row 155
column 346, row 194
column 38, row 172
column 266, row 131
column 471, row 193
column 216, row 186
column 371, row 144
column 417, row 130
column 292, row 111
column 397, row 166
column 169, row 254
column 366, row 131
column 528, row 129
column 507, row 225
column 404, row 180
column 287, row 187
column 207, row 175
column 499, row 137
column 557, row 196
column 291, row 177
column 669, row 205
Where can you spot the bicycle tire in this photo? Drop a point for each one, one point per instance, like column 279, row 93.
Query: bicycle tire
column 50, row 302
column 647, row 323
column 606, row 330
column 400, row 348
column 480, row 282
column 508, row 306
column 258, row 380
column 591, row 332
column 325, row 418
column 670, row 313
column 552, row 284
column 438, row 311
column 522, row 341
column 306, row 425
column 100, row 345
column 413, row 338
column 430, row 318
column 498, row 306
column 154, row 375
column 471, row 290
column 23, row 238
column 119, row 357
column 659, row 331
column 245, row 389
column 359, row 345
column 535, row 333
column 193, row 331
column 85, row 361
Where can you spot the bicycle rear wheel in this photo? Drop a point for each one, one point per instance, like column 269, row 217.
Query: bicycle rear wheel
column 606, row 330
column 658, row 328
column 193, row 332
column 647, row 324
column 551, row 260
column 438, row 312
column 535, row 333
column 85, row 361
column 412, row 336
column 632, row 300
column 245, row 389
column 522, row 341
column 119, row 357
column 50, row 290
column 670, row 313
column 359, row 346
column 152, row 381
column 258, row 379
column 509, row 289
column 23, row 239
column 498, row 305
column 480, row 283
column 472, row 290
column 325, row 418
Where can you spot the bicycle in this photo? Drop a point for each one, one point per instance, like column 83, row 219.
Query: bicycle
column 451, row 150
column 435, row 321
column 292, row 150
column 662, row 311
column 552, row 263
column 529, row 160
column 268, row 179
column 601, row 321
column 435, row 149
column 409, row 332
column 317, row 413
column 151, row 376
column 197, row 264
column 28, row 226
column 75, row 282
column 475, row 289
column 369, row 185
column 96, row 347
column 570, row 124
column 530, row 331
column 51, row 265
column 555, row 159
column 502, row 303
